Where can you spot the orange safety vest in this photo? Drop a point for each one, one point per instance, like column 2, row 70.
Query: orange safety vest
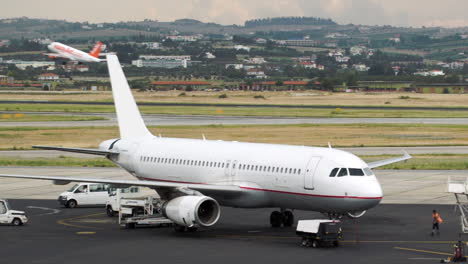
column 437, row 218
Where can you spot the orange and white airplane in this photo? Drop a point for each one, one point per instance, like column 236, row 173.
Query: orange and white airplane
column 62, row 51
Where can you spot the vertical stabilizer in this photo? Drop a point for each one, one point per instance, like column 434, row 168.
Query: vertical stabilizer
column 131, row 123
column 96, row 50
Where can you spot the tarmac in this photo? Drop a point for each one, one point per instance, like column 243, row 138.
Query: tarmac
column 387, row 234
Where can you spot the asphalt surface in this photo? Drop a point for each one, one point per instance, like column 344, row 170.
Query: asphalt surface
column 386, row 234
column 196, row 120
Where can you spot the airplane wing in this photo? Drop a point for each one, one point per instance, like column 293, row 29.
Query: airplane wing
column 65, row 180
column 79, row 150
column 381, row 163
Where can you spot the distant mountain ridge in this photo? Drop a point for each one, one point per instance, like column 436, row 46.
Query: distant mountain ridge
column 282, row 21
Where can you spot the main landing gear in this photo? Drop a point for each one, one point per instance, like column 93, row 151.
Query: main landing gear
column 283, row 217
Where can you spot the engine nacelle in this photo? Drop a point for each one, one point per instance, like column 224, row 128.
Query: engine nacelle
column 192, row 211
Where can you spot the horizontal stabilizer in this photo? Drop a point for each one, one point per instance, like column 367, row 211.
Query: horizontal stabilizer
column 381, row 163
column 150, row 184
column 79, row 150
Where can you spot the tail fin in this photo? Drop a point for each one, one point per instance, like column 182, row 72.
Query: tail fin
column 96, row 50
column 131, row 123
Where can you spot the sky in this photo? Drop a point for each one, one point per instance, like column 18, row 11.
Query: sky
column 416, row 13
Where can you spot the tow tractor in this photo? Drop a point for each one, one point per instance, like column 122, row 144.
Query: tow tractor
column 319, row 233
column 136, row 211
column 13, row 217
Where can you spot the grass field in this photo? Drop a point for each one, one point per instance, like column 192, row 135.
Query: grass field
column 309, row 135
column 418, row 162
column 240, row 111
column 288, row 98
column 46, row 118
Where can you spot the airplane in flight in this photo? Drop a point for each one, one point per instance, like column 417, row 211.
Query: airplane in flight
column 62, row 51
column 194, row 177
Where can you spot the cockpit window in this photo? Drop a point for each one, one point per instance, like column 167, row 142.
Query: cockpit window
column 333, row 172
column 356, row 172
column 368, row 171
column 343, row 172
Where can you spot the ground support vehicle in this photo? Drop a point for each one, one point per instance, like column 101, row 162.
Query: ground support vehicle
column 319, row 233
column 141, row 212
column 12, row 217
column 85, row 194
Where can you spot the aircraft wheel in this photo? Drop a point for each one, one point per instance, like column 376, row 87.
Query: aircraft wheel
column 288, row 218
column 276, row 219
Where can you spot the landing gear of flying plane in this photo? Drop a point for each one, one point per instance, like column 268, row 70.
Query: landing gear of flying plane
column 283, row 217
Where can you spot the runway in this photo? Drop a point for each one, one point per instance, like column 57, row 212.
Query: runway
column 195, row 120
column 387, row 234
column 399, row 186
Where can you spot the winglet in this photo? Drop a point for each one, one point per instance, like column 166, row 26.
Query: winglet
column 131, row 123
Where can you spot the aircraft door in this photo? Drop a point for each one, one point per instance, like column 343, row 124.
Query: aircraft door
column 309, row 173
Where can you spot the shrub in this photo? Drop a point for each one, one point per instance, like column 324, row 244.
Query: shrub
column 223, row 96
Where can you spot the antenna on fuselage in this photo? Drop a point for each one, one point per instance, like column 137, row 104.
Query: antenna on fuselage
column 329, row 145
column 203, row 136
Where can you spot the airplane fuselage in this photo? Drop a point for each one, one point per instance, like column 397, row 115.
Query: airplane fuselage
column 270, row 175
column 71, row 53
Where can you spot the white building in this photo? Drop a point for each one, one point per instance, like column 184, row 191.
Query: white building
column 342, row 59
column 436, row 73
column 256, row 60
column 209, row 55
column 34, row 64
column 237, row 66
column 167, row 62
column 242, row 47
column 256, row 73
column 48, row 77
column 182, row 38
column 151, row 45
column 360, row 67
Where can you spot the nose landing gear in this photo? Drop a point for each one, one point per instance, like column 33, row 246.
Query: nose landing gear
column 283, row 217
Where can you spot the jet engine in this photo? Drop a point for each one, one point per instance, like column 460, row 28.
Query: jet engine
column 191, row 211
column 354, row 215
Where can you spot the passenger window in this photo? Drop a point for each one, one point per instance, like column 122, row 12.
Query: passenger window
column 294, row 171
column 3, row 209
column 96, row 188
column 290, row 170
column 299, row 172
column 333, row 172
column 82, row 189
column 356, row 172
column 343, row 172
column 281, row 170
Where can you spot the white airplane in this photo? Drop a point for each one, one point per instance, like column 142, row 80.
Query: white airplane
column 194, row 177
column 63, row 51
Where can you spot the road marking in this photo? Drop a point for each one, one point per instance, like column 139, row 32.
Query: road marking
column 424, row 251
column 54, row 211
column 64, row 221
column 86, row 233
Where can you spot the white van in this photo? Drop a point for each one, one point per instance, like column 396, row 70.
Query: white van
column 13, row 217
column 85, row 194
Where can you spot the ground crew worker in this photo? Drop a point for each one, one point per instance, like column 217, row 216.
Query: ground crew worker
column 436, row 220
